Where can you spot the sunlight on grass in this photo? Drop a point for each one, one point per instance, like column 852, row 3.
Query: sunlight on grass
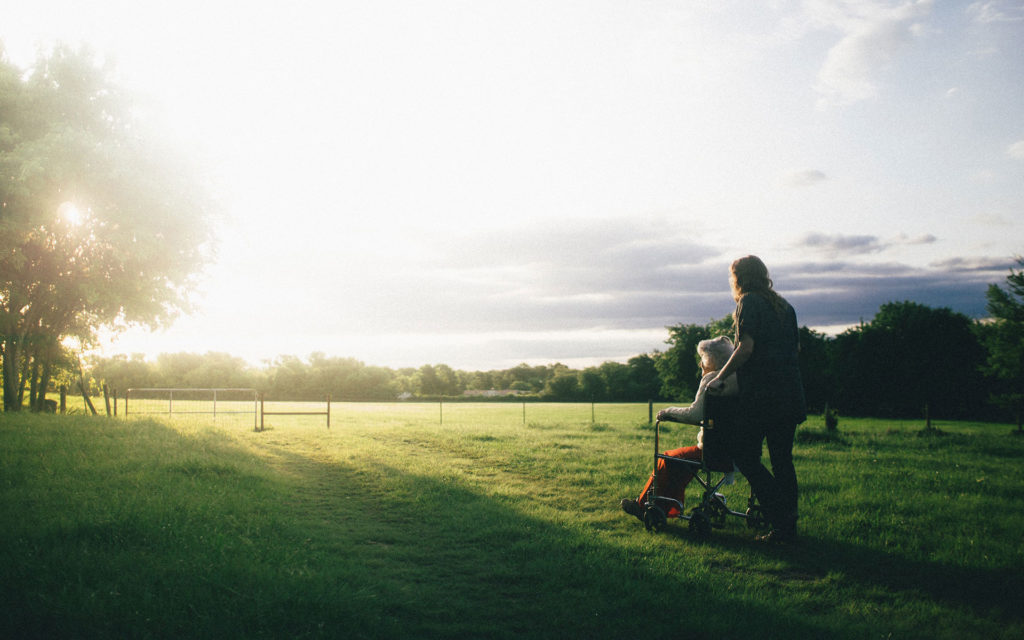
column 392, row 523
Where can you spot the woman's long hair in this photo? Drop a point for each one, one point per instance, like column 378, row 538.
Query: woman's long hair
column 749, row 275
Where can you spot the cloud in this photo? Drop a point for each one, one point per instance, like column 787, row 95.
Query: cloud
column 991, row 220
column 841, row 244
column 872, row 34
column 841, row 293
column 922, row 239
column 565, row 275
column 967, row 265
column 1016, row 150
column 805, row 178
column 838, row 244
column 995, row 11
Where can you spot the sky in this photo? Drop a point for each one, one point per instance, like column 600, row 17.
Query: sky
column 481, row 183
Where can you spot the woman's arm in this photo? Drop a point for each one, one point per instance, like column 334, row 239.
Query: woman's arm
column 739, row 357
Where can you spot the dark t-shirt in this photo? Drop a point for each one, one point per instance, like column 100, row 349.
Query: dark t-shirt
column 770, row 383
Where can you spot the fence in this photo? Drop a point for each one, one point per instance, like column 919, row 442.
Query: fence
column 177, row 402
column 325, row 412
column 181, row 402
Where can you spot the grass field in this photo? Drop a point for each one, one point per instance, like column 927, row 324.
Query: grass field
column 467, row 521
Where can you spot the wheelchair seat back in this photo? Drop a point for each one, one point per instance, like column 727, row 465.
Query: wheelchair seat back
column 721, row 419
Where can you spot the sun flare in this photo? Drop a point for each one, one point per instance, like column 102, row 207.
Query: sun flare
column 70, row 213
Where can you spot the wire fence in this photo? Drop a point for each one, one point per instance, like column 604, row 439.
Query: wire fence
column 241, row 406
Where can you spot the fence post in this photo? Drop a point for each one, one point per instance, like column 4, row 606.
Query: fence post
column 106, row 397
column 261, row 412
column 650, row 411
column 328, row 411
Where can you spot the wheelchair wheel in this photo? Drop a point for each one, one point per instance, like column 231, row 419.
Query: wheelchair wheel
column 700, row 524
column 654, row 519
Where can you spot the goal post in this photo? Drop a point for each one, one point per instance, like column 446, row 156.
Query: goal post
column 194, row 402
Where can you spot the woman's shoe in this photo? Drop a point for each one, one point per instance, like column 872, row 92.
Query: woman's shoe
column 782, row 535
column 632, row 507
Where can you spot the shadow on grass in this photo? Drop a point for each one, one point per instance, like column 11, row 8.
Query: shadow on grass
column 211, row 543
column 449, row 561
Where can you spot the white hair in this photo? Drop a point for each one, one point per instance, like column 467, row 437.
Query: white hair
column 715, row 352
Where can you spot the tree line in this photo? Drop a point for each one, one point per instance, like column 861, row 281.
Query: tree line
column 349, row 379
column 908, row 361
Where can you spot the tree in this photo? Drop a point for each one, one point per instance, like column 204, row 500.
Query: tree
column 563, row 386
column 616, row 377
column 100, row 224
column 1004, row 339
column 592, row 385
column 644, row 381
column 679, row 366
column 123, row 373
column 439, row 380
column 815, row 368
column 907, row 358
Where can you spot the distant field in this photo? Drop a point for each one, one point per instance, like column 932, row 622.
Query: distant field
column 465, row 520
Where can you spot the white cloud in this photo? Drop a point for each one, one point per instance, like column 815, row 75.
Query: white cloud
column 1016, row 150
column 872, row 34
column 989, row 219
column 995, row 11
column 841, row 244
column 805, row 178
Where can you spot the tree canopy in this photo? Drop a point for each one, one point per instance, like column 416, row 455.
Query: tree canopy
column 1004, row 337
column 102, row 224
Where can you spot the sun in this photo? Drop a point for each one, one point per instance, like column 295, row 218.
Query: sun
column 70, row 213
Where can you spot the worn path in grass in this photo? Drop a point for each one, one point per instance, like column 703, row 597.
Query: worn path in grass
column 506, row 518
column 387, row 527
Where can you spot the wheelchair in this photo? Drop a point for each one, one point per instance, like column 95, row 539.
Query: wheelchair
column 709, row 472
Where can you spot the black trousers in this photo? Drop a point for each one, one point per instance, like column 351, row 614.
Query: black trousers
column 776, row 490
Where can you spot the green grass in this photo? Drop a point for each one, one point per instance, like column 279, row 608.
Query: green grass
column 392, row 524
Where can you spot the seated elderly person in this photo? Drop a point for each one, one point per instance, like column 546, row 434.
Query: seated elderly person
column 672, row 479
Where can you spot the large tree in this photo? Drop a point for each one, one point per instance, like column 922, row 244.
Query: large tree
column 1004, row 338
column 101, row 224
column 679, row 366
column 910, row 359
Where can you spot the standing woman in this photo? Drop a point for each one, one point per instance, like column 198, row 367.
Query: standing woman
column 771, row 392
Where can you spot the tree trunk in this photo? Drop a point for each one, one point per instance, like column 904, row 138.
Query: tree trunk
column 34, row 404
column 85, row 395
column 25, row 361
column 12, row 374
column 106, row 397
column 44, row 385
